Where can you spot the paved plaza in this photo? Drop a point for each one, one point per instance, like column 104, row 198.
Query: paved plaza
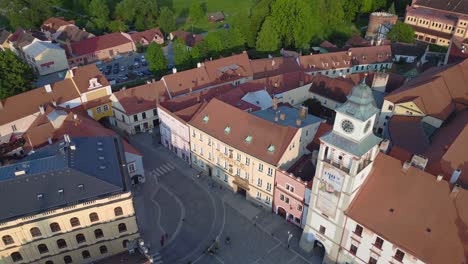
column 195, row 211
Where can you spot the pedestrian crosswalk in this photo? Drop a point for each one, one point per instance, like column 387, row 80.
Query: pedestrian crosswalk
column 162, row 170
column 156, row 258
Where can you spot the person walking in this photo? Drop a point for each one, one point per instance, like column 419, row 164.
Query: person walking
column 290, row 235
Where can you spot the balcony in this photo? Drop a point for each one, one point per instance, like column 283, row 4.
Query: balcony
column 336, row 165
column 243, row 183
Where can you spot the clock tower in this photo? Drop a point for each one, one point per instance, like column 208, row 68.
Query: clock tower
column 345, row 159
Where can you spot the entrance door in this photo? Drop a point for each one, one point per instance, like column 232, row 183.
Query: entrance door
column 210, row 171
column 318, row 250
column 241, row 191
column 282, row 212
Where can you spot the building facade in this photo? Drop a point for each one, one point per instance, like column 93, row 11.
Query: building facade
column 344, row 161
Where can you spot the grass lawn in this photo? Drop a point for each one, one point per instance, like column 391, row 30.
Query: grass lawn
column 229, row 7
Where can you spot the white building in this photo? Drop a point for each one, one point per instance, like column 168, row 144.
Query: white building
column 344, row 161
column 45, row 57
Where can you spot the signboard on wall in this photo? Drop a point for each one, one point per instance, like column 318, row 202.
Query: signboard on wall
column 331, row 183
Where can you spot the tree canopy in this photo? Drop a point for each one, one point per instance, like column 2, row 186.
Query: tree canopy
column 196, row 12
column 15, row 75
column 182, row 58
column 167, row 20
column 27, row 14
column 157, row 62
column 268, row 39
column 401, row 32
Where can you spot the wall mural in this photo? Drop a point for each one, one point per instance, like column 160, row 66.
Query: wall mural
column 331, row 182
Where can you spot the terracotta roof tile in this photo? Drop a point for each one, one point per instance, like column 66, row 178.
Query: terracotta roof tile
column 243, row 124
column 82, row 75
column 54, row 23
column 270, row 67
column 423, row 210
column 140, row 98
column 149, row 35
column 91, row 45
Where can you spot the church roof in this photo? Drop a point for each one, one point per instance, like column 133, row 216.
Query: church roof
column 360, row 103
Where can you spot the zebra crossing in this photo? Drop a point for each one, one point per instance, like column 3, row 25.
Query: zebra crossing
column 162, row 170
column 156, row 258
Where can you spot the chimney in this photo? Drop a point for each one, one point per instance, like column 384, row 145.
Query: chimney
column 282, row 116
column 455, row 190
column 385, row 146
column 48, row 89
column 419, row 161
column 41, row 109
column 75, row 116
column 275, row 103
column 303, row 112
column 455, row 175
column 71, row 73
column 372, row 42
column 349, row 53
column 379, row 83
column 406, row 165
column 276, row 118
column 379, row 42
column 298, row 122
column 174, row 70
column 440, row 177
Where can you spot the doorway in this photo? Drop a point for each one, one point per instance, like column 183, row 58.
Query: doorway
column 281, row 212
column 318, row 250
column 210, row 171
column 241, row 191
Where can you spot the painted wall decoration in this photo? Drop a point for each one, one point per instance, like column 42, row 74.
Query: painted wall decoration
column 331, row 183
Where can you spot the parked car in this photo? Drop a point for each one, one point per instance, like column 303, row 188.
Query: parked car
column 136, row 65
column 146, row 72
column 122, row 68
column 138, row 73
column 115, row 70
column 143, row 58
column 122, row 77
column 144, row 63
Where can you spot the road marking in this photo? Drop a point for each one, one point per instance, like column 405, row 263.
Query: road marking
column 170, row 165
column 292, row 259
column 167, row 167
column 219, row 259
column 160, row 171
column 273, row 248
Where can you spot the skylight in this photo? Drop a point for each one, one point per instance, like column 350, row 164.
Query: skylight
column 206, row 119
column 271, row 148
column 227, row 130
column 248, row 139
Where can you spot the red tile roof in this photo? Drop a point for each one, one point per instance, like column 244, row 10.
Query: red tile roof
column 149, row 35
column 243, row 124
column 336, row 89
column 189, row 38
column 270, row 67
column 413, row 211
column 54, row 23
column 82, row 75
column 140, row 98
column 91, row 45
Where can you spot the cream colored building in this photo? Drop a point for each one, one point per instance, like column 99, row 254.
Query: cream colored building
column 243, row 151
column 77, row 211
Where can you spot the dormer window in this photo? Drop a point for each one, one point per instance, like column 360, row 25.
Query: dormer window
column 94, row 83
column 206, row 119
column 271, row 148
column 227, row 130
column 248, row 139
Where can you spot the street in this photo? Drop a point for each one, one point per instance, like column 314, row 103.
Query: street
column 195, row 212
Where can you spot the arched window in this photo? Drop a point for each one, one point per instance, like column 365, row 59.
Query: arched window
column 74, row 221
column 16, row 256
column 55, row 227
column 85, row 254
column 42, row 248
column 93, row 217
column 61, row 243
column 122, row 227
column 124, row 243
column 118, row 211
column 103, row 249
column 67, row 259
column 98, row 233
column 7, row 240
column 35, row 232
column 80, row 238
column 49, row 262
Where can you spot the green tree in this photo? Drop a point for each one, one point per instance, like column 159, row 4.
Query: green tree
column 182, row 58
column 157, row 62
column 401, row 32
column 334, row 17
column 350, row 8
column 27, row 14
column 126, row 11
column 268, row 39
column 259, row 12
column 15, row 75
column 196, row 12
column 142, row 13
column 391, row 9
column 166, row 20
column 99, row 12
column 214, row 43
column 117, row 26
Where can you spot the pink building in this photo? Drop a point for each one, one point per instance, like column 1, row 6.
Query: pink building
column 292, row 190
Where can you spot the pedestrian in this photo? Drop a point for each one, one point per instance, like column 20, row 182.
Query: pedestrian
column 162, row 240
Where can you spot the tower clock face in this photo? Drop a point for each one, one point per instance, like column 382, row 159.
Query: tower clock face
column 347, row 126
column 366, row 128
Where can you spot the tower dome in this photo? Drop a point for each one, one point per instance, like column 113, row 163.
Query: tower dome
column 360, row 103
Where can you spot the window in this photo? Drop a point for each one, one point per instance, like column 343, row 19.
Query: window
column 209, row 141
column 239, row 157
column 270, row 172
column 260, row 167
column 358, row 230
column 238, row 172
column 93, row 217
column 155, row 112
column 7, row 240
column 103, row 249
column 218, row 147
column 13, row 128
column 122, row 227
column 268, row 200
column 247, row 161
column 225, row 151
column 106, row 108
column 286, row 200
column 209, row 155
column 225, row 178
column 42, row 248
column 281, row 197
column 390, row 107
column 200, row 137
column 135, row 118
column 268, row 186
column 16, row 256
column 201, row 151
column 118, row 211
column 289, row 188
column 125, row 243
column 61, row 243
column 85, row 254
column 353, row 249
column 193, row 133
column 98, row 233
column 80, row 238
column 372, row 260
column 399, row 255
column 35, row 232
column 378, row 242
column 225, row 165
column 74, row 221
column 259, row 182
column 143, row 115
column 246, row 175
column 67, row 259
column 49, row 262
column 131, row 167
column 98, row 109
column 322, row 230
column 259, row 195
column 299, row 207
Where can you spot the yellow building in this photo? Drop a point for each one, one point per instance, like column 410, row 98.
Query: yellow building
column 71, row 204
column 243, row 151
